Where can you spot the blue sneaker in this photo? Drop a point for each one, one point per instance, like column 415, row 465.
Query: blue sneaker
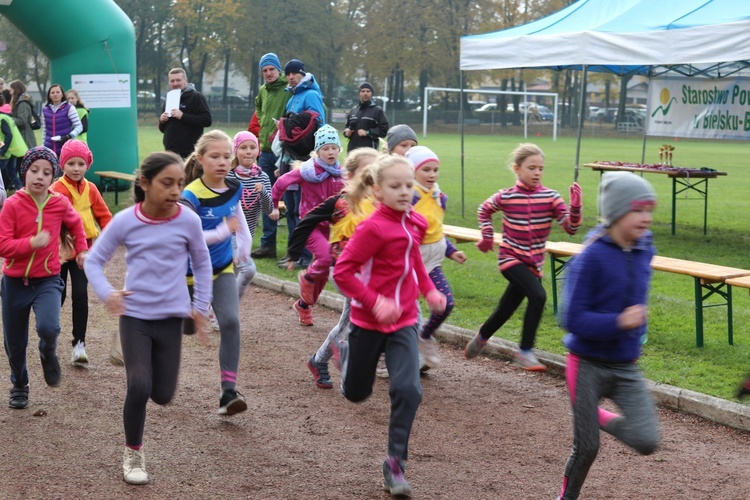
column 320, row 373
column 393, row 478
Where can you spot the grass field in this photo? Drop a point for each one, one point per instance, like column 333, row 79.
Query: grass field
column 670, row 356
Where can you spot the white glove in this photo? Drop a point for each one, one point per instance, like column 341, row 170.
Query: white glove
column 55, row 138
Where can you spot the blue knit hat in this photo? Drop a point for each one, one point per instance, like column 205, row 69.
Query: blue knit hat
column 326, row 135
column 270, row 59
column 295, row 66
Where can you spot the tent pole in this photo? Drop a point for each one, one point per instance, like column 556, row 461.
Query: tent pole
column 581, row 107
column 461, row 128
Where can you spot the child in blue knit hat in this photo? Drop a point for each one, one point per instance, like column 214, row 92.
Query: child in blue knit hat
column 319, row 178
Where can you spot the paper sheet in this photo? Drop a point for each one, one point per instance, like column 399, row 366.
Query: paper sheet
column 173, row 101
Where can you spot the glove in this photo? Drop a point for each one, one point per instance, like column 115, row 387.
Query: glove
column 386, row 310
column 485, row 244
column 55, row 138
column 575, row 197
column 436, row 301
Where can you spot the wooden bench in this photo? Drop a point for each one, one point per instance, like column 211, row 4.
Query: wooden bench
column 709, row 278
column 465, row 234
column 109, row 177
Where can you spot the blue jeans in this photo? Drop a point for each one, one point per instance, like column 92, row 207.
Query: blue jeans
column 9, row 169
column 291, row 200
column 19, row 298
column 267, row 162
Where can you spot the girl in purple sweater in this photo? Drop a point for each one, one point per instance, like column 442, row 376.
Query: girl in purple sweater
column 159, row 235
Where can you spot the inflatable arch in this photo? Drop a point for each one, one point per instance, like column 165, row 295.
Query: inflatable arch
column 91, row 47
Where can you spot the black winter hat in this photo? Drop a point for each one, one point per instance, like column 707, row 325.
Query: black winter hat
column 295, row 66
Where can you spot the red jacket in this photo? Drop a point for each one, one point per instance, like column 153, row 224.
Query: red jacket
column 382, row 258
column 20, row 220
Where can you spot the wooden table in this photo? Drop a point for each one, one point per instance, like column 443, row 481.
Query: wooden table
column 710, row 280
column 683, row 180
column 115, row 177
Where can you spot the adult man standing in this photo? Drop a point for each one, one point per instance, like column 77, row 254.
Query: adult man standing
column 183, row 126
column 270, row 104
column 305, row 96
column 366, row 122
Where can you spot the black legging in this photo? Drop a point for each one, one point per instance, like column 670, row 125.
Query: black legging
column 151, row 351
column 521, row 283
column 80, row 297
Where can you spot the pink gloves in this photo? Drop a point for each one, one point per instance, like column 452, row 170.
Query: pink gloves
column 386, row 310
column 436, row 301
column 575, row 197
column 485, row 245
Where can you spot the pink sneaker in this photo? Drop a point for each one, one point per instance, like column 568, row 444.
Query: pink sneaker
column 306, row 288
column 305, row 315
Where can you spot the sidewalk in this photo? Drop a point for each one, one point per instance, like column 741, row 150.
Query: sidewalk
column 711, row 408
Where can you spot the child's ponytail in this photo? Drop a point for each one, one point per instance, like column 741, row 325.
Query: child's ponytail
column 193, row 168
column 358, row 188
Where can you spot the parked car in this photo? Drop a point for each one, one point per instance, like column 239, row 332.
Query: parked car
column 536, row 109
column 486, row 108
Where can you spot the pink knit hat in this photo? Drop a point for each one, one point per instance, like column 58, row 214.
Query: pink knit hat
column 76, row 149
column 419, row 155
column 242, row 137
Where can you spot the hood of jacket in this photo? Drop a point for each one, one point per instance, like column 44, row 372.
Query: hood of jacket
column 308, row 83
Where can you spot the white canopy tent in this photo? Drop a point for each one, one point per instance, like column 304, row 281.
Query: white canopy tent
column 697, row 38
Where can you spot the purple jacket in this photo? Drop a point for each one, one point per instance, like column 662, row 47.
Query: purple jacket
column 63, row 121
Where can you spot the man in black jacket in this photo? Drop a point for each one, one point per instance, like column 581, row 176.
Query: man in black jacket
column 183, row 126
column 365, row 123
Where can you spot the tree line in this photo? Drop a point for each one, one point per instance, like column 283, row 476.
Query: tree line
column 402, row 45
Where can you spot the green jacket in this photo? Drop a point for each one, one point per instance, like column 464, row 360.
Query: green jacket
column 270, row 104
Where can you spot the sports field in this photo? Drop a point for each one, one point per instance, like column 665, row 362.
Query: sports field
column 670, row 356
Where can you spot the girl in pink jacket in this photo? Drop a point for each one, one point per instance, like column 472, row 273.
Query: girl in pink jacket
column 319, row 178
column 381, row 270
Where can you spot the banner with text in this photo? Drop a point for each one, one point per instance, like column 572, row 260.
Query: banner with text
column 699, row 108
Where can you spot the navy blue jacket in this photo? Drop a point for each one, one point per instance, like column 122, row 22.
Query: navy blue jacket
column 601, row 282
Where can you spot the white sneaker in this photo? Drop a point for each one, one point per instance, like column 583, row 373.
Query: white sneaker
column 429, row 350
column 381, row 370
column 115, row 353
column 529, row 362
column 134, row 466
column 212, row 319
column 79, row 353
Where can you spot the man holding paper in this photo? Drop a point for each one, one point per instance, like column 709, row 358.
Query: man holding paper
column 186, row 114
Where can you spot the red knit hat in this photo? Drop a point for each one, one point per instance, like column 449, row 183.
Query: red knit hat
column 76, row 149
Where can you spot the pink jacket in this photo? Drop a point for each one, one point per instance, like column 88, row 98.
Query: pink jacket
column 313, row 194
column 21, row 219
column 382, row 258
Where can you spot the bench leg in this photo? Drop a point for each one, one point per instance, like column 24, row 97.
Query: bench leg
column 117, row 190
column 730, row 327
column 557, row 265
column 698, row 312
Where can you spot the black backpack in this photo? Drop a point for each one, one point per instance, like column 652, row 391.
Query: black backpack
column 297, row 133
column 36, row 122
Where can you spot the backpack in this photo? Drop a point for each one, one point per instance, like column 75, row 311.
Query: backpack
column 36, row 122
column 297, row 133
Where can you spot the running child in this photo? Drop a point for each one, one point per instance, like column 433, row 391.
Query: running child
column 319, row 178
column 382, row 272
column 605, row 315
column 158, row 235
column 217, row 200
column 256, row 196
column 399, row 139
column 429, row 201
column 30, row 225
column 75, row 159
column 528, row 208
column 343, row 211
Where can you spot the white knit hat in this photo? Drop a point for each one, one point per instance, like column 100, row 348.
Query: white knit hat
column 419, row 155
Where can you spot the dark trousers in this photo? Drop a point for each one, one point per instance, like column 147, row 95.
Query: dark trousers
column 522, row 283
column 19, row 297
column 80, row 297
column 151, row 351
column 402, row 360
column 9, row 169
column 291, row 200
column 267, row 162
